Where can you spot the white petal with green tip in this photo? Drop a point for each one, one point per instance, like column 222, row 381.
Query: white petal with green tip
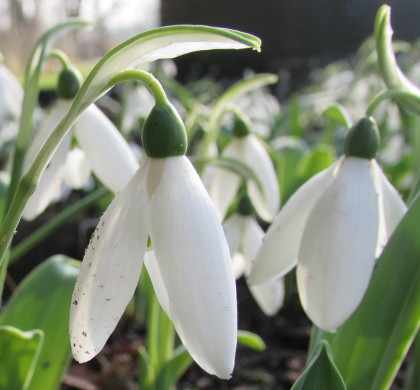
column 110, row 156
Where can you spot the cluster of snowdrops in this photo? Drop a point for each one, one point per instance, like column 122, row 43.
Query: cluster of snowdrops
column 215, row 167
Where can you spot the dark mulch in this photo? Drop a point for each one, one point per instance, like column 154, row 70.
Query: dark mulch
column 275, row 368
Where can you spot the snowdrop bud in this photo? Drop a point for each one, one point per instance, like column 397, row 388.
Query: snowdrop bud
column 245, row 207
column 241, row 127
column 69, row 82
column 164, row 132
column 363, row 139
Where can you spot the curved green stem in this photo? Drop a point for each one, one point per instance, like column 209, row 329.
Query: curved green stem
column 390, row 94
column 145, row 77
column 224, row 102
column 62, row 57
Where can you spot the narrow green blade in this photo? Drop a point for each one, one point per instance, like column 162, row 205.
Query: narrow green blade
column 320, row 373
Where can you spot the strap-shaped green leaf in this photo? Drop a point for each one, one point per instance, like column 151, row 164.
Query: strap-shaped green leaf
column 320, row 373
column 42, row 301
column 19, row 352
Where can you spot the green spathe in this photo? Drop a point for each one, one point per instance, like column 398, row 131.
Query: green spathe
column 241, row 127
column 164, row 133
column 245, row 207
column 69, row 82
column 363, row 139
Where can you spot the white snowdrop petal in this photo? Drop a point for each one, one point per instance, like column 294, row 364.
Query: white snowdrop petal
column 279, row 251
column 337, row 253
column 44, row 130
column 269, row 296
column 153, row 269
column 193, row 258
column 109, row 154
column 49, row 185
column 11, row 94
column 110, row 269
column 252, row 240
column 234, row 228
column 77, row 170
column 267, row 202
column 394, row 206
column 239, row 264
column 224, row 184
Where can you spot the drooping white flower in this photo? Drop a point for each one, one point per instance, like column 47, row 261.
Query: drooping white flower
column 99, row 140
column 245, row 236
column 191, row 268
column 11, row 95
column 333, row 228
column 247, row 149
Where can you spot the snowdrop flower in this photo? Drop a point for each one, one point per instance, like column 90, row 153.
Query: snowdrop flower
column 248, row 149
column 192, row 272
column 11, row 95
column 99, row 140
column 245, row 236
column 137, row 105
column 333, row 228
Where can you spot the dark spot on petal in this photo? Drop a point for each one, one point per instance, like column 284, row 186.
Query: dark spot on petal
column 84, row 334
column 75, row 302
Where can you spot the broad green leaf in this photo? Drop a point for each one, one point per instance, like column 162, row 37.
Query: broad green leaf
column 370, row 347
column 19, row 352
column 320, row 373
column 338, row 113
column 287, row 154
column 413, row 372
column 42, row 301
column 251, row 340
column 173, row 369
column 319, row 158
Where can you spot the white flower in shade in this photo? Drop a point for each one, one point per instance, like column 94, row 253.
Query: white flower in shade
column 11, row 95
column 333, row 228
column 191, row 268
column 137, row 105
column 100, row 142
column 245, row 236
column 247, row 149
